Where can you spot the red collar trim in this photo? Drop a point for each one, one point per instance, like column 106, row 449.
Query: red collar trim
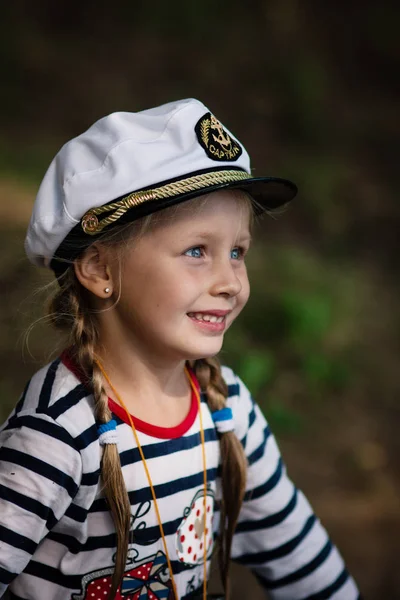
column 154, row 430
column 143, row 426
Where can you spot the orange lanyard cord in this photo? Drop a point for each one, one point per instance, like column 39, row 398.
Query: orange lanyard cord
column 121, row 402
column 203, row 449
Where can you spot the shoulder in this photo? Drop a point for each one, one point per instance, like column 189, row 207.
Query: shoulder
column 55, row 394
column 236, row 388
column 239, row 400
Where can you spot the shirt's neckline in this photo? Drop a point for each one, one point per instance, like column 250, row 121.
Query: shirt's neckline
column 142, row 426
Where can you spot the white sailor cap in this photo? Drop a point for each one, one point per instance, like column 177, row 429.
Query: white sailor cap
column 128, row 165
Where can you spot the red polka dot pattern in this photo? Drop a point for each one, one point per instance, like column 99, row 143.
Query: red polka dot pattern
column 195, row 529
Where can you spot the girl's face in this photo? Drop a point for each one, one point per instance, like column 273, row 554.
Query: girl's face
column 184, row 281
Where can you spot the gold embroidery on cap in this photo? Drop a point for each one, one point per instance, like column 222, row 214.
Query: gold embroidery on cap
column 205, row 130
column 91, row 224
column 215, row 140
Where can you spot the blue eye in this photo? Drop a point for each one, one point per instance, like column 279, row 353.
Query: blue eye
column 237, row 253
column 196, row 252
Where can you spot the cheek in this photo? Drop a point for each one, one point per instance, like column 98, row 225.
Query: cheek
column 245, row 291
column 246, row 294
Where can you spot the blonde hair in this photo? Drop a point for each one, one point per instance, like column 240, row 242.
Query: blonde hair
column 70, row 311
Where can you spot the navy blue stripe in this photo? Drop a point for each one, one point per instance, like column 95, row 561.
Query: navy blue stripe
column 53, row 575
column 86, row 438
column 302, row 572
column 268, row 485
column 168, row 447
column 75, row 547
column 233, row 390
column 179, row 567
column 203, row 398
column 76, row 513
column 6, row 577
column 140, row 537
column 162, row 490
column 21, row 400
column 17, row 540
column 47, row 427
column 271, row 520
column 45, row 392
column 67, row 401
column 40, row 467
column 260, row 450
column 252, row 416
column 262, row 557
column 29, row 504
column 91, row 478
column 74, row 581
column 326, row 593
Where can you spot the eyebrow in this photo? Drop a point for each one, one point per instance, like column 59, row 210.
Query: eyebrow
column 207, row 235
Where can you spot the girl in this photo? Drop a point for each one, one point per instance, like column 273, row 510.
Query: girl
column 131, row 454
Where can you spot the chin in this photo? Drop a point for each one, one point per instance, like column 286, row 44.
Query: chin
column 206, row 352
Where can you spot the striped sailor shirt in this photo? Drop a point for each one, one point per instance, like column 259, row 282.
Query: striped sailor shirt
column 57, row 539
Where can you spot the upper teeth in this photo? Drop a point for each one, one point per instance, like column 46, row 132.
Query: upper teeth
column 204, row 317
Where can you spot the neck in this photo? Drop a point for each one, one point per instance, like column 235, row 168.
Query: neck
column 149, row 378
column 143, row 374
column 161, row 397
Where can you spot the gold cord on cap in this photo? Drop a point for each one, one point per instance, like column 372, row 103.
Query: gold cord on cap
column 91, row 224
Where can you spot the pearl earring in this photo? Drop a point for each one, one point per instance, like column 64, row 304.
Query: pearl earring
column 107, row 290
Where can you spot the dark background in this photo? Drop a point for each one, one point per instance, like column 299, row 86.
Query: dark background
column 309, row 88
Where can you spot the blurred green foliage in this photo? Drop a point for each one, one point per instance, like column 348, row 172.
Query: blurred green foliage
column 298, row 326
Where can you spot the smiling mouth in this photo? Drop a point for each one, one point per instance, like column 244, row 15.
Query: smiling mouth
column 206, row 317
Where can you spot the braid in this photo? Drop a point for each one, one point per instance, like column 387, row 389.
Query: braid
column 233, row 463
column 69, row 312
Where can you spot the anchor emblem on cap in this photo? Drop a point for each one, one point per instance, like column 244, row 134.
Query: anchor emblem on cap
column 215, row 140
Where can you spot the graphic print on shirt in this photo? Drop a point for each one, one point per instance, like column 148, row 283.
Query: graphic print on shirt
column 148, row 581
column 147, row 577
column 139, row 533
column 190, row 533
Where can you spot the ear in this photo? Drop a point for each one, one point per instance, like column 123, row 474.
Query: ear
column 93, row 270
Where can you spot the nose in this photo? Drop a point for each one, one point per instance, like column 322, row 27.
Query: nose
column 225, row 281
